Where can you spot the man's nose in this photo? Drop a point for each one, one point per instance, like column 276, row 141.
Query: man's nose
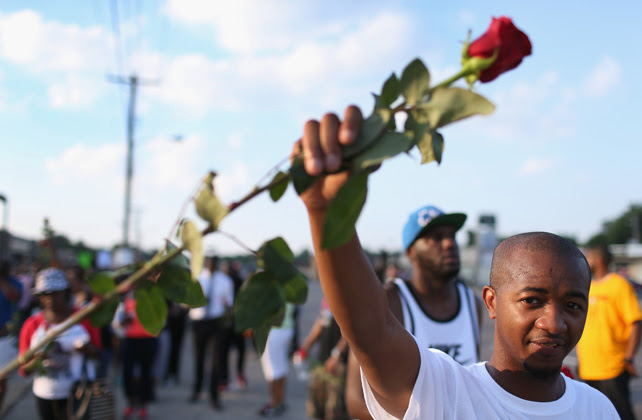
column 552, row 320
column 448, row 242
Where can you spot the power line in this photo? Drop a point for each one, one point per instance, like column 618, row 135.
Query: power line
column 118, row 41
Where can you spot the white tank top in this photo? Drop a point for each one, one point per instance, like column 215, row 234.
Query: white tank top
column 457, row 337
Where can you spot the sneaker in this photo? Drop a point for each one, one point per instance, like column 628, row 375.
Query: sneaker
column 216, row 405
column 270, row 411
column 142, row 414
column 240, row 381
column 127, row 412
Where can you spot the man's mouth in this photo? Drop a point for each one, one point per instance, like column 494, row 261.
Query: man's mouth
column 549, row 346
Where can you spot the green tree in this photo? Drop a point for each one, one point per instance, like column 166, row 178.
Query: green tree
column 620, row 230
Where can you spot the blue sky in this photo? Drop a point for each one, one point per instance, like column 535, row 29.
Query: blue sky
column 237, row 80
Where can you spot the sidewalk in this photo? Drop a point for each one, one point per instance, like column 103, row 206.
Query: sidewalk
column 171, row 401
column 18, row 388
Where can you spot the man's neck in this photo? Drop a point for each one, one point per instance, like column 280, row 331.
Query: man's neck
column 600, row 273
column 526, row 385
column 55, row 317
column 432, row 287
column 438, row 298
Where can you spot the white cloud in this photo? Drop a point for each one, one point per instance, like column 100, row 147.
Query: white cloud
column 467, row 17
column 28, row 40
column 165, row 174
column 236, row 140
column 74, row 92
column 159, row 164
column 533, row 111
column 83, row 162
column 69, row 59
column 199, row 83
column 164, row 163
column 247, row 26
column 602, row 78
column 534, row 166
column 3, row 93
column 229, row 183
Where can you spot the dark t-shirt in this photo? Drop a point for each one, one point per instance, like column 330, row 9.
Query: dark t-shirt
column 330, row 336
column 7, row 307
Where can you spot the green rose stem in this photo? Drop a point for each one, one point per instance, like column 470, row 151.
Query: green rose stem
column 156, row 262
column 160, row 259
column 255, row 191
column 238, row 242
column 466, row 70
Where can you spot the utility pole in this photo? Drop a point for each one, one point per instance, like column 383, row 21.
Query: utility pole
column 635, row 225
column 133, row 81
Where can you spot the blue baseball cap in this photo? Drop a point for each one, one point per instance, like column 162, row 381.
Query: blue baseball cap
column 425, row 218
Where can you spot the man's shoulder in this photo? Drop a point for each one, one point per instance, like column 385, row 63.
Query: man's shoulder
column 616, row 278
column 218, row 274
column 618, row 283
column 205, row 275
column 590, row 398
column 463, row 285
column 35, row 319
column 31, row 324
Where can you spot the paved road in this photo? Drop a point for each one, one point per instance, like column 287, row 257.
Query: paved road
column 172, row 400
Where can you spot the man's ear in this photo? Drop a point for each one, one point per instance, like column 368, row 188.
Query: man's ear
column 410, row 252
column 489, row 295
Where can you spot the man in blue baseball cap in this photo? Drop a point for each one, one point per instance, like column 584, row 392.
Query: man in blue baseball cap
column 440, row 311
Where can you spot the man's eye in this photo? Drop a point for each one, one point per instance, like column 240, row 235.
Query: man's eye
column 575, row 306
column 530, row 300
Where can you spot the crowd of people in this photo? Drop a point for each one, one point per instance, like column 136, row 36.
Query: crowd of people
column 428, row 301
column 34, row 301
column 395, row 344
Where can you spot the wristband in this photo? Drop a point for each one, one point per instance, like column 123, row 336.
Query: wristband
column 335, row 352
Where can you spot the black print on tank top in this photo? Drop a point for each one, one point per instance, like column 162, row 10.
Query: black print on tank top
column 451, row 350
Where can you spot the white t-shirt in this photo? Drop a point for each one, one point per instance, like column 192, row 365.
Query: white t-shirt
column 446, row 390
column 64, row 366
column 218, row 288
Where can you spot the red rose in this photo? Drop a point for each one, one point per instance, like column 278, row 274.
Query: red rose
column 511, row 44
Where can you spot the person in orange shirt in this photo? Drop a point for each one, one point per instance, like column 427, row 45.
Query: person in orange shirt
column 138, row 349
column 611, row 334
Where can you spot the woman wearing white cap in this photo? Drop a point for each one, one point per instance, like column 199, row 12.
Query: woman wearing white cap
column 62, row 363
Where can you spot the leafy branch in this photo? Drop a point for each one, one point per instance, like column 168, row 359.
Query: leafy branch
column 92, row 308
column 260, row 303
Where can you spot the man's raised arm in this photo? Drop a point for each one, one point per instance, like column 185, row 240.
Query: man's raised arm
column 387, row 353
